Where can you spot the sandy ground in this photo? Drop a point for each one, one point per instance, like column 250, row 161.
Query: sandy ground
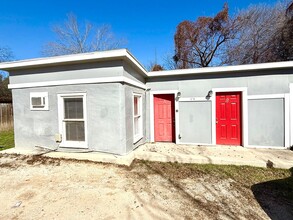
column 38, row 188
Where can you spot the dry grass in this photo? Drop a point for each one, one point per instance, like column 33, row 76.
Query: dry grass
column 67, row 189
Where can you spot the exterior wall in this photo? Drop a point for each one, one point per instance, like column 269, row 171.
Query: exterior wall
column 67, row 72
column 191, row 115
column 110, row 105
column 131, row 73
column 105, row 117
column 198, row 86
column 195, row 115
column 266, row 125
column 128, row 91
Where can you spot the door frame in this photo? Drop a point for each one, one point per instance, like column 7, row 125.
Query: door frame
column 244, row 113
column 152, row 117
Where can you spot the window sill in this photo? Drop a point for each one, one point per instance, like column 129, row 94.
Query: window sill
column 137, row 138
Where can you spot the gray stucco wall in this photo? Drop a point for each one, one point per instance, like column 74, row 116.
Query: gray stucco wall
column 105, row 117
column 265, row 129
column 195, row 122
column 199, row 86
column 129, row 91
column 131, row 73
column 110, row 105
column 266, row 122
column 68, row 72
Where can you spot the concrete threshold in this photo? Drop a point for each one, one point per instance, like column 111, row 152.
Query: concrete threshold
column 169, row 152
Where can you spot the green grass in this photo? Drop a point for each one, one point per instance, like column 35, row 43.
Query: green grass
column 6, row 139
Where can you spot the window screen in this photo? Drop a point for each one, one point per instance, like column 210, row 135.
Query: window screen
column 73, row 108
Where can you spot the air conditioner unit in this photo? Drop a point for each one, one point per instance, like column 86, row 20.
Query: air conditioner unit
column 38, row 102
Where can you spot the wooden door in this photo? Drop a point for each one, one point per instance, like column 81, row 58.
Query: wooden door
column 164, row 118
column 228, row 118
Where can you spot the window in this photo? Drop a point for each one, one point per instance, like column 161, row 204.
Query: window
column 73, row 120
column 39, row 101
column 137, row 118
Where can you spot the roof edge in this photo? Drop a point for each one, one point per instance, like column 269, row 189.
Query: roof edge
column 46, row 61
column 195, row 71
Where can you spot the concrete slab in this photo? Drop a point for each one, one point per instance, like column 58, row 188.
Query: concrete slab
column 89, row 156
column 226, row 155
column 169, row 152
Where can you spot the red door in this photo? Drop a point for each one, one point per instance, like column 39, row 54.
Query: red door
column 228, row 118
column 164, row 118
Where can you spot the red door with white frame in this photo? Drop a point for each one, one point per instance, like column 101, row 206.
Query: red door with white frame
column 228, row 118
column 164, row 118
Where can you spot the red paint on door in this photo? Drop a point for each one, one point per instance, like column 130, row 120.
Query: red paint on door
column 228, row 118
column 164, row 118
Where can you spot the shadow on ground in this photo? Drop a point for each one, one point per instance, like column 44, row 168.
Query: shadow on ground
column 276, row 197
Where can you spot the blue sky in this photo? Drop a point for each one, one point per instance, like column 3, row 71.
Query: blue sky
column 148, row 26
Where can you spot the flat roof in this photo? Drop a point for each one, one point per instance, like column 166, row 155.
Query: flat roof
column 123, row 54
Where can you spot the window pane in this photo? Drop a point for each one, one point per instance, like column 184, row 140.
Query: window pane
column 75, row 131
column 136, row 105
column 136, row 126
column 73, row 108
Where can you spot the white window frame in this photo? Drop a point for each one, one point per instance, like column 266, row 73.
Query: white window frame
column 62, row 128
column 137, row 137
column 44, row 100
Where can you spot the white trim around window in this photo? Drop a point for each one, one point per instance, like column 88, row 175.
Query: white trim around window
column 62, row 120
column 290, row 106
column 137, row 117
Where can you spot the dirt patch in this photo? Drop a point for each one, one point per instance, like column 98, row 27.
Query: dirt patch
column 37, row 187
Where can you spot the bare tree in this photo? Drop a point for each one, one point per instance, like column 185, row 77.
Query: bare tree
column 169, row 62
column 256, row 28
column 197, row 43
column 73, row 37
column 282, row 42
column 6, row 54
column 5, row 94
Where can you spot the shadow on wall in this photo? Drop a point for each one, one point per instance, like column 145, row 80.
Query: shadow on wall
column 276, row 197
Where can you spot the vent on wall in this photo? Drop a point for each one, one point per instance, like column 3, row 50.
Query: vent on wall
column 39, row 101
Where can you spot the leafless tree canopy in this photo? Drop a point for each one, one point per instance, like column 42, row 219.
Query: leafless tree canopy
column 258, row 30
column 261, row 33
column 73, row 37
column 5, row 54
column 197, row 43
column 5, row 94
